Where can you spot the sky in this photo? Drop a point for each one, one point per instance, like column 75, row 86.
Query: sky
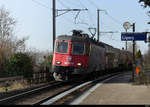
column 34, row 19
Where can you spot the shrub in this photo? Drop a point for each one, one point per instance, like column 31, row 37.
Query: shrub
column 47, row 62
column 20, row 64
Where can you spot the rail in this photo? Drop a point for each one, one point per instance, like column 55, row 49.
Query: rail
column 11, row 99
column 58, row 98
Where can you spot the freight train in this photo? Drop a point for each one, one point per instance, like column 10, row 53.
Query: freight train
column 79, row 55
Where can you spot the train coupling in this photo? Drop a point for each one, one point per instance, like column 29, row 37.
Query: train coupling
column 60, row 77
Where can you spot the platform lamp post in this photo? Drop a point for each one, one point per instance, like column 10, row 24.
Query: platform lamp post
column 127, row 26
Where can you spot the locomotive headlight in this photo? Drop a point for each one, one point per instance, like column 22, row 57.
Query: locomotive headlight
column 58, row 62
column 79, row 64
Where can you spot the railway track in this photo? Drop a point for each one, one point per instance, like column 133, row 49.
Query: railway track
column 21, row 97
column 54, row 93
column 70, row 95
column 37, row 95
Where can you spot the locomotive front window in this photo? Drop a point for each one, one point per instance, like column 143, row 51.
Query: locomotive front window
column 78, row 48
column 62, row 47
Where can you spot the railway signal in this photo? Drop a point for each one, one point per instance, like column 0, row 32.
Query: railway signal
column 137, row 70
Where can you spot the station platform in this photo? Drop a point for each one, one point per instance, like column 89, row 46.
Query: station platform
column 119, row 91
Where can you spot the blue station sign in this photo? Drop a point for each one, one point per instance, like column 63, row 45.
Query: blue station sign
column 133, row 36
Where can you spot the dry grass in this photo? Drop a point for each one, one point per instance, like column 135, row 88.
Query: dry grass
column 18, row 85
column 13, row 86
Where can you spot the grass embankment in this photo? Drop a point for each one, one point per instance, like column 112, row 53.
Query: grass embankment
column 13, row 86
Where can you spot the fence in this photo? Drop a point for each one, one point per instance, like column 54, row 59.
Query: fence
column 38, row 77
column 42, row 76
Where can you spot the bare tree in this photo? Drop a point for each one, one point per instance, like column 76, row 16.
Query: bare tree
column 9, row 44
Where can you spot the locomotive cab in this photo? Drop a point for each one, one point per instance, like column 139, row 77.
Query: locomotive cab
column 70, row 57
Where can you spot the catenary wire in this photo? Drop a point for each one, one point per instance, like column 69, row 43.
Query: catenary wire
column 63, row 4
column 91, row 2
column 35, row 1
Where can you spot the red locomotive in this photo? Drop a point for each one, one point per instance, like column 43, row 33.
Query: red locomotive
column 79, row 55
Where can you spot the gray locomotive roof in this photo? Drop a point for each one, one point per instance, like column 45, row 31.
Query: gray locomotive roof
column 106, row 45
column 72, row 38
column 81, row 39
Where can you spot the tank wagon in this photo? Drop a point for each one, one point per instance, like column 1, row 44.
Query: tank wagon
column 78, row 55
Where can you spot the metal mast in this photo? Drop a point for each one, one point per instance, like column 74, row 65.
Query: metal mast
column 54, row 22
column 55, row 14
column 98, row 12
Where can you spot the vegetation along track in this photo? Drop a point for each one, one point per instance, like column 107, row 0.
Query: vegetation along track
column 68, row 96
